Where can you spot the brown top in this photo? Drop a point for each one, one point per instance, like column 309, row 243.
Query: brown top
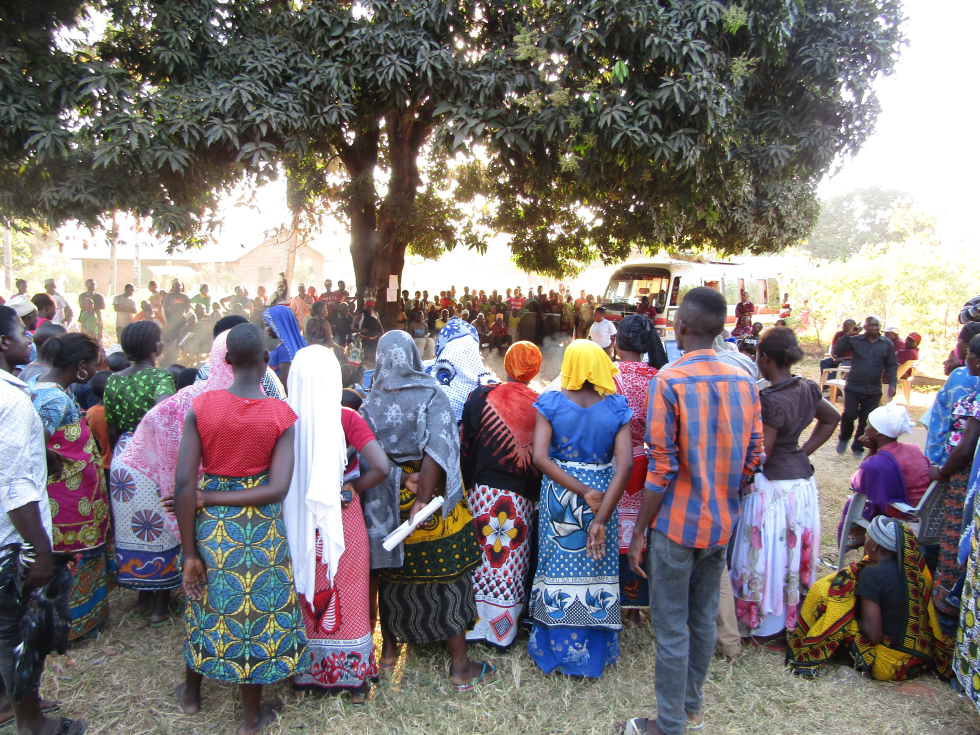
column 789, row 407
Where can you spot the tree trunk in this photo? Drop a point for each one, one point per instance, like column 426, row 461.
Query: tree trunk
column 379, row 236
column 113, row 240
column 291, row 258
column 137, row 261
column 8, row 261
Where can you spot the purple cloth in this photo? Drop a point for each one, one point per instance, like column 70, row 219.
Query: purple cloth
column 880, row 478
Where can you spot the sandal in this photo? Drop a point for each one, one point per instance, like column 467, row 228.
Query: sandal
column 362, row 691
column 696, row 724
column 636, row 726
column 469, row 685
column 72, row 727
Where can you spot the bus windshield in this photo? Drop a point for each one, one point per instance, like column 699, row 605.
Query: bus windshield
column 629, row 289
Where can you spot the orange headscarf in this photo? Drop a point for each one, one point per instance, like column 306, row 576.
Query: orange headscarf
column 522, row 361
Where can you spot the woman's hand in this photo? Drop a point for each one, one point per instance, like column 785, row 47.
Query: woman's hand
column 594, row 499
column 417, row 506
column 934, row 473
column 412, row 483
column 595, row 545
column 344, row 504
column 168, row 503
column 195, row 577
column 56, row 463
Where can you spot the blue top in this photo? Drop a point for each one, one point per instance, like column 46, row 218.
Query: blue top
column 583, row 434
column 55, row 407
column 939, row 418
column 278, row 356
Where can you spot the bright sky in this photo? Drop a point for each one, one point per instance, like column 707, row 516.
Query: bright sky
column 923, row 144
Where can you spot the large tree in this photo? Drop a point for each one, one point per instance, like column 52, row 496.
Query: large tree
column 590, row 126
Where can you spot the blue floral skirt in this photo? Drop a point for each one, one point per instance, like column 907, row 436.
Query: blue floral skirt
column 248, row 628
column 575, row 601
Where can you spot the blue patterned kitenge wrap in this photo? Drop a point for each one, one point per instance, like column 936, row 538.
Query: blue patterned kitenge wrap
column 575, row 601
column 248, row 628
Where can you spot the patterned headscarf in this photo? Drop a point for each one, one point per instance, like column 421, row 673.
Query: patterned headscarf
column 284, row 324
column 154, row 446
column 586, row 362
column 638, row 334
column 410, row 416
column 522, row 361
column 458, row 366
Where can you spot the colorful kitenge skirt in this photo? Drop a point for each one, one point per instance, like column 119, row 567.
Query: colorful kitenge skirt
column 574, row 606
column 89, row 600
column 430, row 597
column 338, row 624
column 828, row 626
column 147, row 553
column 248, row 628
column 948, row 569
column 773, row 559
column 967, row 661
column 633, row 590
column 80, row 523
column 503, row 521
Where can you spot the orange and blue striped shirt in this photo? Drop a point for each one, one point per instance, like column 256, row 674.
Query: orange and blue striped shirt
column 704, row 435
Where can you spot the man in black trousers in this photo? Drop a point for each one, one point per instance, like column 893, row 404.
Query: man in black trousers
column 871, row 356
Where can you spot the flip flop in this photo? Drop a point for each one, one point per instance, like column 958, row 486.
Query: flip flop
column 636, row 726
column 696, row 724
column 72, row 727
column 466, row 687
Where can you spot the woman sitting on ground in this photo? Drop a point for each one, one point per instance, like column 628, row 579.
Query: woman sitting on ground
column 873, row 611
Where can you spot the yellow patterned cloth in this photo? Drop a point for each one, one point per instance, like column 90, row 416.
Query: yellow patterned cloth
column 440, row 549
column 828, row 626
column 585, row 361
column 248, row 628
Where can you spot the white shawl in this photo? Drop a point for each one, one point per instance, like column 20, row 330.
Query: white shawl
column 313, row 502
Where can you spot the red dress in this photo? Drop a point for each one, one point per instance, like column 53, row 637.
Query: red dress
column 633, row 382
column 338, row 626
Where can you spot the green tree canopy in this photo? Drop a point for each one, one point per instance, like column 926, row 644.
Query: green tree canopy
column 591, row 126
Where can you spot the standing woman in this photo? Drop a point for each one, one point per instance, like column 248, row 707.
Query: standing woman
column 777, row 540
column 426, row 585
column 243, row 624
column 502, row 484
column 636, row 336
column 575, row 605
column 325, row 526
column 146, row 553
column 282, row 325
column 953, row 475
column 79, row 503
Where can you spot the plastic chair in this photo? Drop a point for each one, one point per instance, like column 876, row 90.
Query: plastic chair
column 926, row 530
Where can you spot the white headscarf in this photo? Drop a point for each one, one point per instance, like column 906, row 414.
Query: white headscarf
column 313, row 502
column 891, row 420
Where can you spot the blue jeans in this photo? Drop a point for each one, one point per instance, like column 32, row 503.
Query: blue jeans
column 683, row 606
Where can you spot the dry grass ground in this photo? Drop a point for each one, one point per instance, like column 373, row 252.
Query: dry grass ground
column 124, row 680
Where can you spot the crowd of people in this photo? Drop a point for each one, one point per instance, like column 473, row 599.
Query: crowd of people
column 631, row 483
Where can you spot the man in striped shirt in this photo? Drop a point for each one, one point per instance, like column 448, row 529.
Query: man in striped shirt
column 704, row 436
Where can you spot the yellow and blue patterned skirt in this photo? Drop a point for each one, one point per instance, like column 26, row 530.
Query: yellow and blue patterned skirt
column 248, row 628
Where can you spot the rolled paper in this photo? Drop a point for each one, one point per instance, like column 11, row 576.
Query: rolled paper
column 405, row 530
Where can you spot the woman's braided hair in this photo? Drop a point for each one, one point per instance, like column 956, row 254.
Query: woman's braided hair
column 140, row 339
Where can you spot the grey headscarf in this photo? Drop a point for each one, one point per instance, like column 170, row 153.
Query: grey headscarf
column 885, row 533
column 411, row 416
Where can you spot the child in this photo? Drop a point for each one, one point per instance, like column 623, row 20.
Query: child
column 238, row 575
column 88, row 320
column 95, row 416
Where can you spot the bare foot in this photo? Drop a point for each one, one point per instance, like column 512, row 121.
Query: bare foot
column 267, row 715
column 7, row 712
column 191, row 706
column 360, row 695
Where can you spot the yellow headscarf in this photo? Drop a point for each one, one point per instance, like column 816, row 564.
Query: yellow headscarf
column 585, row 361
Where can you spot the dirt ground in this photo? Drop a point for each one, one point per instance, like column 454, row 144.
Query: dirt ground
column 123, row 681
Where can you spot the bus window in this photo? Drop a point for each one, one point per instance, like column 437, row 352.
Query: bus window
column 775, row 298
column 682, row 284
column 732, row 293
column 617, row 291
column 756, row 295
column 629, row 290
column 716, row 285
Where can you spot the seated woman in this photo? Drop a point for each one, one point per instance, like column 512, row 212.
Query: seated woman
column 873, row 611
column 744, row 328
column 893, row 471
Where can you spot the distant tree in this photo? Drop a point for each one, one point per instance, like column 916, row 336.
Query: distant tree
column 597, row 126
column 871, row 216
